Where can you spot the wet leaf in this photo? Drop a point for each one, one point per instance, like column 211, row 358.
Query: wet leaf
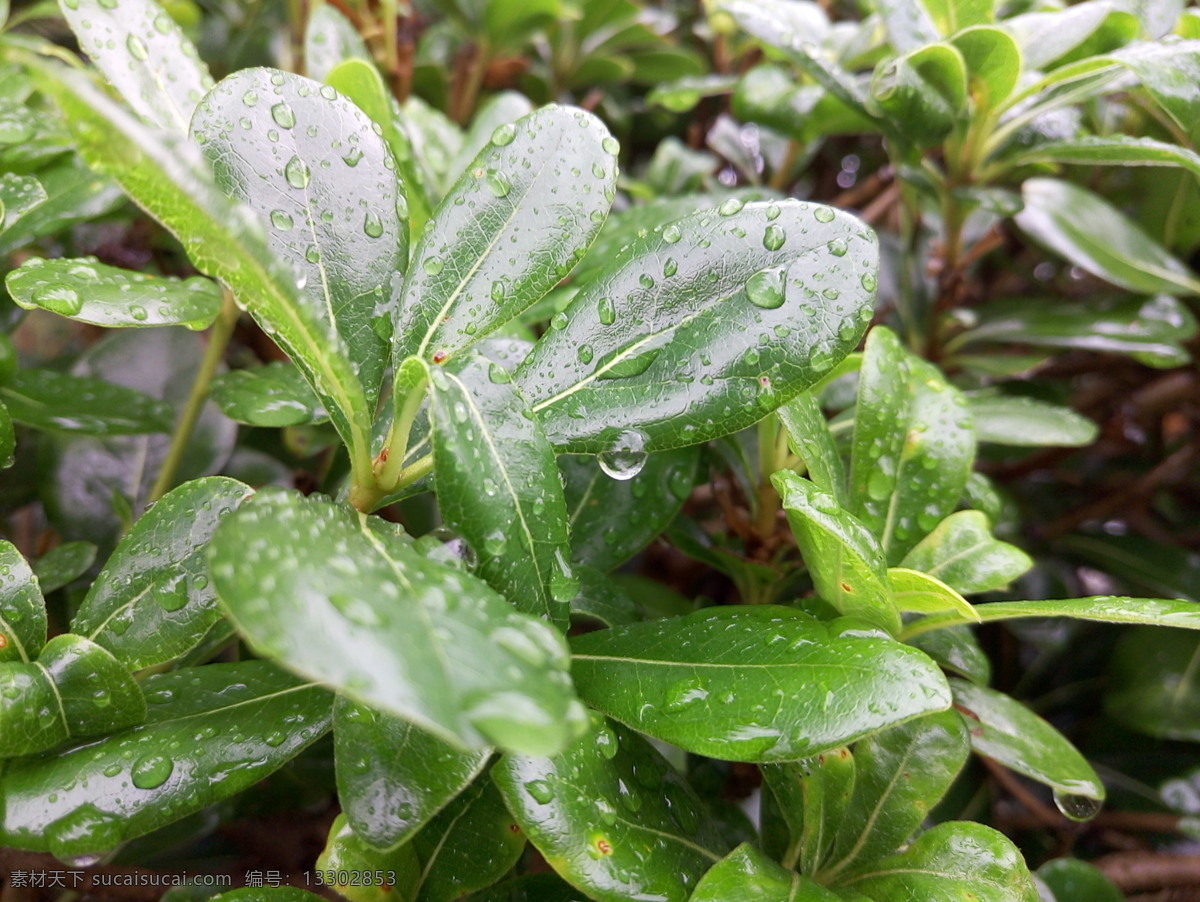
column 1111, row 150
column 18, row 195
column 59, row 402
column 956, row 649
column 604, row 599
column 342, row 599
column 272, row 395
column 611, row 816
column 1027, row 422
column 912, row 590
column 144, row 54
column 347, row 861
column 392, row 776
column 64, row 564
column 153, row 601
column 1101, row 608
column 702, row 328
column 1072, row 880
column 747, row 875
column 962, row 552
column 330, row 38
column 499, row 488
column 810, row 438
column 22, row 608
column 73, row 195
column 87, row 291
column 326, row 184
column 811, row 796
column 612, row 519
column 512, row 226
column 761, row 683
column 1008, row 732
column 922, row 94
column 209, row 732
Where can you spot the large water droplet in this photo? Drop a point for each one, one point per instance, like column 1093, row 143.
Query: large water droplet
column 730, row 206
column 540, row 791
column 1077, row 807
column 824, row 214
column 607, row 311
column 626, row 457
column 765, row 289
column 372, row 225
column 59, row 299
column 281, row 220
column 498, row 183
column 671, row 234
column 296, row 172
column 683, row 695
column 504, row 134
column 283, row 115
column 774, row 238
column 611, row 145
column 136, row 48
column 151, row 771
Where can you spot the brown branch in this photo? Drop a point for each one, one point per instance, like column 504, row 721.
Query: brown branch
column 1140, row 871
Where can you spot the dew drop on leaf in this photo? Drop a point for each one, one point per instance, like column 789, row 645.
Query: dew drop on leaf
column 283, row 115
column 372, row 225
column 774, row 238
column 730, row 206
column 151, row 771
column 540, row 791
column 626, row 457
column 136, row 48
column 824, row 214
column 1077, row 807
column 504, row 135
column 671, row 234
column 765, row 289
column 296, row 172
column 498, row 183
column 281, row 220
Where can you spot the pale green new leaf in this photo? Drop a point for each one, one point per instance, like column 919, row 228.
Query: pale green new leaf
column 962, row 552
column 747, row 875
column 22, row 608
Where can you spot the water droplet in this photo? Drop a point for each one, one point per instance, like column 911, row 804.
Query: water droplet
column 584, row 354
column 296, row 172
column 498, row 183
column 627, row 456
column 59, row 299
column 772, row 212
column 606, row 742
column 1077, row 807
column 151, row 771
column 495, row 542
column 670, row 267
column 504, row 134
column 646, row 280
column 250, row 98
column 283, row 115
column 138, row 312
column 824, row 214
column 432, row 265
column 611, row 145
column 352, row 156
column 606, row 811
column 275, row 738
column 773, row 238
column 879, row 485
column 868, row 281
column 136, row 48
column 683, row 695
column 765, row 289
column 837, row 247
column 498, row 375
column 559, row 321
column 312, row 255
column 540, row 791
column 671, row 234
column 598, row 170
column 81, row 837
column 730, row 206
column 607, row 311
column 281, row 220
column 372, row 225
column 564, row 584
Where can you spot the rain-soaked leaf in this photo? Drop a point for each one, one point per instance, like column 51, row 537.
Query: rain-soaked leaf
column 346, row 861
column 313, row 168
column 811, row 797
column 703, row 327
column 209, row 732
column 22, row 608
column 956, row 649
column 153, row 601
column 18, row 195
column 810, row 438
column 913, row 591
column 499, row 488
column 274, row 395
column 143, row 52
column 60, row 402
column 87, row 291
column 962, row 552
column 604, row 599
column 392, row 776
column 612, row 817
column 1072, row 880
column 73, row 194
column 512, row 226
column 341, row 598
column 747, row 875
column 760, row 683
column 1101, row 608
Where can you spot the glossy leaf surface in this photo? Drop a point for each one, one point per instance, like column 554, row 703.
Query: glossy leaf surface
column 759, row 683
column 326, row 184
column 90, row 292
column 604, row 599
column 59, row 402
column 144, row 53
column 702, row 327
column 746, row 875
column 94, row 692
column 1072, row 880
column 844, row 559
column 811, row 439
column 392, row 776
column 153, row 601
column 499, row 488
column 353, row 868
column 1101, row 608
column 913, row 446
column 22, row 608
column 1028, row 422
column 912, row 590
column 962, row 552
column 1008, row 732
column 812, row 796
column 952, row 861
column 613, row 519
column 398, row 631
column 330, row 38
column 209, row 732
column 511, row 227
column 271, row 395
column 611, row 816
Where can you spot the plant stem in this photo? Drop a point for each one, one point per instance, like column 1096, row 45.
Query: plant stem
column 218, row 338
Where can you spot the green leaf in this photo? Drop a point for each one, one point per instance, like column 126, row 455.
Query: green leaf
column 144, row 54
column 273, row 395
column 913, row 446
column 843, row 558
column 469, row 846
column 327, row 187
column 499, row 109
column 392, row 776
column 698, row 682
column 22, row 608
column 73, row 195
column 90, row 292
column 602, row 598
column 810, row 438
column 993, row 62
column 58, row 402
column 1072, row 880
column 498, row 486
column 435, row 141
column 18, row 195
column 330, row 38
column 222, row 238
column 8, row 438
column 1152, row 684
column 812, row 796
column 962, row 552
column 342, row 599
column 1094, row 235
column 909, row 24
column 613, row 519
column 954, row 860
column 1101, row 608
column 153, row 602
column 346, row 861
column 770, row 96
column 1111, row 150
column 64, row 564
column 1026, row 422
column 747, row 875
column 508, row 231
column 956, row 649
column 531, row 888
column 267, row 894
column 703, row 327
column 209, row 732
column 923, row 94
column 30, row 721
column 611, row 816
column 1008, row 732
column 360, row 81
column 1046, row 37
column 900, row 775
column 94, row 692
column 1151, row 566
column 912, row 590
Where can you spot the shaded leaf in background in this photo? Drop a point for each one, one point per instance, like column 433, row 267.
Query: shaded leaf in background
column 1027, row 422
column 272, row 395
column 1153, row 683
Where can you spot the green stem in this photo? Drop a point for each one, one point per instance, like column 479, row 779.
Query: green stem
column 397, row 446
column 218, row 338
